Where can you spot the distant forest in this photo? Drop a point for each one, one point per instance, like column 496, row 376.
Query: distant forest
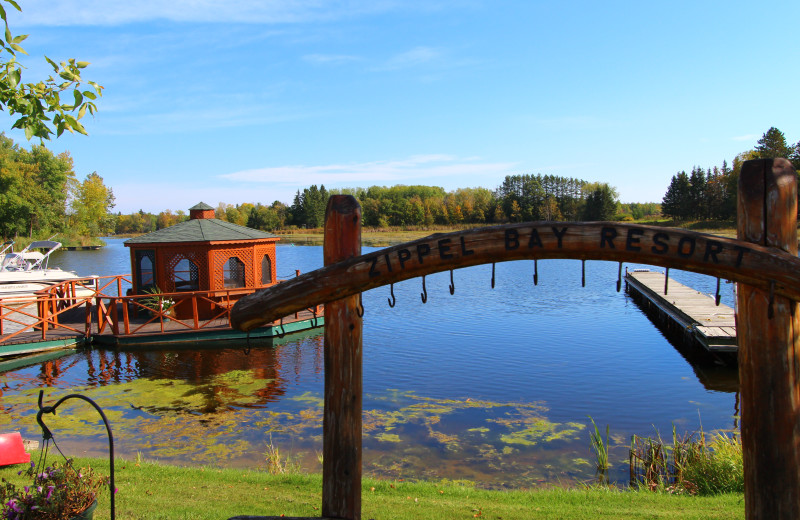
column 519, row 198
column 711, row 194
column 702, row 194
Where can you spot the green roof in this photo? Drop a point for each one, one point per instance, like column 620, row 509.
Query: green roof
column 201, row 206
column 201, row 230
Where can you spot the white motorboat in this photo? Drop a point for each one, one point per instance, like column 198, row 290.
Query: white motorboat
column 25, row 272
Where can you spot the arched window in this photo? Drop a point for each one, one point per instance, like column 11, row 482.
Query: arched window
column 266, row 270
column 145, row 269
column 233, row 273
column 186, row 276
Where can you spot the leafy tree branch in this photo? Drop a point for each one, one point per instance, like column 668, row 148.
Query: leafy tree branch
column 39, row 106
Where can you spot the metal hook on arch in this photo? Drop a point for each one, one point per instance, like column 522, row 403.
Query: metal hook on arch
column 392, row 301
column 583, row 273
column 424, row 293
column 360, row 306
column 452, row 284
column 282, row 333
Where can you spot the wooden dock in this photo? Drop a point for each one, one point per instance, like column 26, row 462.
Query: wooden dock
column 712, row 326
column 23, row 342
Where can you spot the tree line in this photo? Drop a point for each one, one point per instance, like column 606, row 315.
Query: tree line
column 519, row 198
column 710, row 194
column 40, row 195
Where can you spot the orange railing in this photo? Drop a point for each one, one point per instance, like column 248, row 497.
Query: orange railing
column 116, row 312
column 42, row 311
column 108, row 310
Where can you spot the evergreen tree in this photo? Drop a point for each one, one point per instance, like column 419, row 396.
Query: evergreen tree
column 698, row 204
column 772, row 145
column 795, row 156
column 677, row 201
column 601, row 203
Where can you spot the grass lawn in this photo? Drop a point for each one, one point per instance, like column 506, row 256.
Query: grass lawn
column 153, row 491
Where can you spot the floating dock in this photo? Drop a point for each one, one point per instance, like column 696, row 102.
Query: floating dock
column 712, row 326
column 28, row 336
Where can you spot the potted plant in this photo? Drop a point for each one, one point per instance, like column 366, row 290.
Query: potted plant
column 59, row 492
column 157, row 303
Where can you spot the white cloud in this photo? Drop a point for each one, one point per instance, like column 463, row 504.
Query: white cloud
column 413, row 58
column 418, row 168
column 330, row 59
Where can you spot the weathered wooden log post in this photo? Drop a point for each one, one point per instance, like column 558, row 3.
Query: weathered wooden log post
column 769, row 349
column 341, row 444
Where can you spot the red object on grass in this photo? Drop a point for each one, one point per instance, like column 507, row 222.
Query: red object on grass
column 12, row 450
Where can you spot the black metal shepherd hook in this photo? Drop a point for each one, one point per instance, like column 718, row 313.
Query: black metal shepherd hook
column 717, row 297
column 424, row 293
column 452, row 284
column 47, row 435
column 392, row 301
column 492, row 275
column 536, row 272
column 619, row 277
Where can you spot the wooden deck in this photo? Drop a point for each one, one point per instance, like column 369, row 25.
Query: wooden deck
column 74, row 330
column 712, row 326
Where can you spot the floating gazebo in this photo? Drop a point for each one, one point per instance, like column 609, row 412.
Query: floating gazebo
column 202, row 254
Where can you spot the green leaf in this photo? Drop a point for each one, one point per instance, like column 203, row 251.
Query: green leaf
column 9, row 38
column 52, row 63
column 82, row 64
column 15, row 4
column 89, row 94
column 82, row 111
column 20, row 38
column 3, row 14
column 28, row 132
column 97, row 87
column 17, row 48
column 75, row 124
column 78, row 98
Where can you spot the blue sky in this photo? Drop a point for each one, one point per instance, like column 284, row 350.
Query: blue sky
column 251, row 100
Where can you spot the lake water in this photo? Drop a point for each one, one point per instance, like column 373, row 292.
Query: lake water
column 490, row 385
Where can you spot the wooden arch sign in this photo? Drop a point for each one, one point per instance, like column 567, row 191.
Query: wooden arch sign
column 735, row 260
column 763, row 261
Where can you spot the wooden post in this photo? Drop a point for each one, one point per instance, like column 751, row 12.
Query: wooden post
column 341, row 445
column 769, row 349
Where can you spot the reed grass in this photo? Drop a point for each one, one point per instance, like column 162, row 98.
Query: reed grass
column 694, row 464
column 600, row 447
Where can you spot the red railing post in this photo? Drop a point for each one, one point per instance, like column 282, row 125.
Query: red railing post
column 114, row 316
column 88, row 330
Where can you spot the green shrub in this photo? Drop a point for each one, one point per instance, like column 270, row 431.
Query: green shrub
column 693, row 464
column 715, row 467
